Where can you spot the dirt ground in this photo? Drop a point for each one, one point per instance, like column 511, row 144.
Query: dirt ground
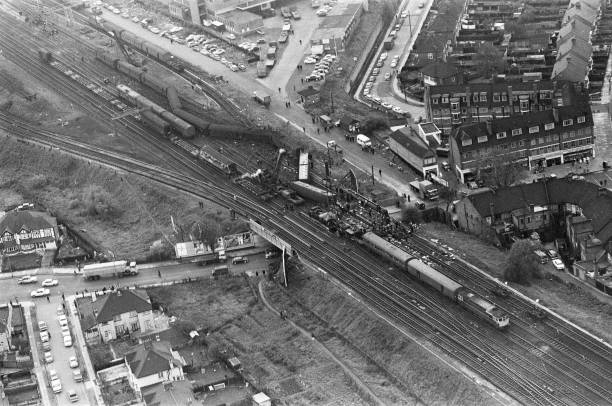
column 573, row 302
column 275, row 357
column 123, row 213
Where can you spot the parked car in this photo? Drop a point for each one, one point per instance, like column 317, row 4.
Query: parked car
column 73, row 362
column 44, row 336
column 240, row 260
column 76, row 375
column 63, row 321
column 67, row 341
column 558, row 264
column 40, row 292
column 49, row 282
column 387, row 76
column 48, row 357
column 42, row 325
column 72, row 396
column 27, row 279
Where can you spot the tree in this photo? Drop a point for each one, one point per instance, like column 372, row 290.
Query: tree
column 489, row 60
column 498, row 170
column 523, row 264
column 447, row 194
column 411, row 214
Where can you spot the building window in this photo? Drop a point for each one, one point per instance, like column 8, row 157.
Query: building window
column 484, row 109
column 513, row 145
column 581, row 119
column 504, row 97
column 547, row 138
column 466, row 141
column 482, row 138
column 455, row 106
column 501, row 135
column 434, row 100
column 117, row 318
column 533, row 142
column 496, row 97
column 535, row 129
column 549, row 126
column 463, row 99
column 517, row 131
column 567, row 122
column 475, row 98
column 483, row 97
column 444, row 99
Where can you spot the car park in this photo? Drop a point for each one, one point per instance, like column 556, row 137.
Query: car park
column 40, row 292
column 74, row 363
column 48, row 357
column 27, row 279
column 49, row 282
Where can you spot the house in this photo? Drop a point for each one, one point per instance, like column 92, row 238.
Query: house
column 336, row 28
column 406, row 143
column 449, row 106
column 261, row 399
column 542, row 138
column 440, row 73
column 153, row 362
column 547, row 204
column 114, row 314
column 25, row 231
column 349, row 124
column 309, row 96
column 430, row 134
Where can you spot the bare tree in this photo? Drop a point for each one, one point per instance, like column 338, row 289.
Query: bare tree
column 489, row 60
column 499, row 170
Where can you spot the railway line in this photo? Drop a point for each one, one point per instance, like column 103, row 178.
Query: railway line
column 506, row 363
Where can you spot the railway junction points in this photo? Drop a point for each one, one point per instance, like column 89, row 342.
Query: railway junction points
column 514, row 349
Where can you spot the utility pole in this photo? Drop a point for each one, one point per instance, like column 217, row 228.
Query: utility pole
column 331, row 95
column 372, row 175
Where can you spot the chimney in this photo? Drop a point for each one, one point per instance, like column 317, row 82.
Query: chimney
column 555, row 112
column 510, row 95
column 489, row 127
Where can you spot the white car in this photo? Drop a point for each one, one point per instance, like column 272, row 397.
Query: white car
column 63, row 321
column 231, row 36
column 56, row 385
column 42, row 325
column 65, row 331
column 393, row 63
column 73, row 362
column 49, row 282
column 116, row 11
column 376, row 99
column 387, row 76
column 383, row 56
column 48, row 357
column 27, row 279
column 309, row 61
column 558, row 264
column 40, row 292
column 397, row 110
column 154, row 30
column 136, row 19
column 386, row 105
column 67, row 341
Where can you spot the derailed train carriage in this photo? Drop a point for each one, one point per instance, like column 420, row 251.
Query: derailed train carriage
column 435, row 279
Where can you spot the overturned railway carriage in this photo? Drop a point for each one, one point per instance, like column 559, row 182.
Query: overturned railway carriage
column 312, row 192
column 155, row 122
column 435, row 279
column 182, row 127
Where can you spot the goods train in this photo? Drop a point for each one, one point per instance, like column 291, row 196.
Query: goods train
column 446, row 286
column 153, row 82
column 184, row 128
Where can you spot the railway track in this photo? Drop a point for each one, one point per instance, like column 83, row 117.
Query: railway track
column 399, row 298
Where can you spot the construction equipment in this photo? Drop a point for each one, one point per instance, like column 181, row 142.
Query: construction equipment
column 123, row 47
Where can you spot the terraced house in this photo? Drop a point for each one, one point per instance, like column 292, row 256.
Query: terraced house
column 24, row 231
column 449, row 106
column 543, row 138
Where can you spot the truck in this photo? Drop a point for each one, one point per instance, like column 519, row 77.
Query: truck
column 262, row 70
column 425, row 189
column 271, row 52
column 262, row 99
column 117, row 269
column 285, row 12
column 389, row 43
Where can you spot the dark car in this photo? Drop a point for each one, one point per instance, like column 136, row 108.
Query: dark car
column 295, row 15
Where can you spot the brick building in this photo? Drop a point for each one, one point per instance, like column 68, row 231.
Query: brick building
column 449, row 106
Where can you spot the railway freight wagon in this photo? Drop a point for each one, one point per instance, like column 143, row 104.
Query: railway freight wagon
column 184, row 128
column 435, row 279
column 312, row 192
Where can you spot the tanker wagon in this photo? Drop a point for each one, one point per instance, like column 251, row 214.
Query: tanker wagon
column 117, row 269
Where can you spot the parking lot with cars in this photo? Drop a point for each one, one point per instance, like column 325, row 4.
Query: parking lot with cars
column 55, row 345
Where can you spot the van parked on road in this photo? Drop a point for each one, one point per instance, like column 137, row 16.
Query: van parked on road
column 363, row 141
column 240, row 260
column 542, row 257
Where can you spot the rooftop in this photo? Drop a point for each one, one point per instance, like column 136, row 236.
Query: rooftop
column 151, row 358
column 15, row 221
column 309, row 91
column 412, row 142
column 240, row 17
column 596, row 202
column 439, row 70
column 107, row 306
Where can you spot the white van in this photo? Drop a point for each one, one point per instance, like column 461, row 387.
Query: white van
column 363, row 141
